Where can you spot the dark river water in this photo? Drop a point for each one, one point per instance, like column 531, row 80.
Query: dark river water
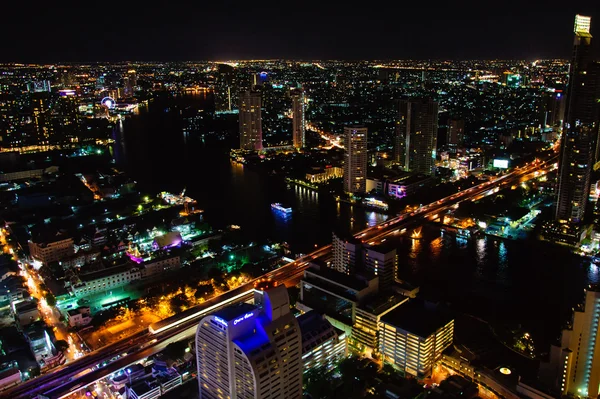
column 530, row 283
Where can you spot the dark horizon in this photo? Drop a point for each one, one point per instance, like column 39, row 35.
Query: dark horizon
column 235, row 30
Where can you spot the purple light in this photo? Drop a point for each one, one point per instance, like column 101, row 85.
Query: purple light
column 135, row 258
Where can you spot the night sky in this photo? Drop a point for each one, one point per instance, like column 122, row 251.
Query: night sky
column 51, row 31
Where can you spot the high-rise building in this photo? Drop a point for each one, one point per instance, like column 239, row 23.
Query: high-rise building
column 580, row 129
column 298, row 121
column 413, row 337
column 552, row 109
column 574, row 364
column 250, row 121
column 355, row 159
column 456, row 134
column 381, row 260
column 251, row 351
column 416, row 135
column 323, row 345
column 346, row 253
column 130, row 82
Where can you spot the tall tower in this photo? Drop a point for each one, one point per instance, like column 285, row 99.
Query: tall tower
column 251, row 351
column 574, row 367
column 416, row 135
column 456, row 134
column 580, row 129
column 298, row 122
column 250, row 121
column 355, row 159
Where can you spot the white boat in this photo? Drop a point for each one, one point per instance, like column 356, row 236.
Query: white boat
column 279, row 208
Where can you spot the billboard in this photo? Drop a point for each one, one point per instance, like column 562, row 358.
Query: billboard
column 501, row 163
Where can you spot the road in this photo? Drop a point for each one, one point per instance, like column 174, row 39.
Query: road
column 84, row 371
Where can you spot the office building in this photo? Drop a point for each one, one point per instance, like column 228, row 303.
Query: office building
column 366, row 329
column 574, row 365
column 251, row 351
column 455, row 135
column 552, row 109
column 298, row 121
column 416, row 135
column 355, row 159
column 335, row 294
column 323, row 346
column 413, row 337
column 346, row 253
column 381, row 260
column 580, row 129
column 51, row 248
column 250, row 121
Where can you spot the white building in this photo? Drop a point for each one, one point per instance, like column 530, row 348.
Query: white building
column 574, row 367
column 79, row 317
column 382, row 261
column 106, row 280
column 413, row 337
column 251, row 351
column 250, row 121
column 51, row 249
column 346, row 253
column 355, row 159
column 323, row 346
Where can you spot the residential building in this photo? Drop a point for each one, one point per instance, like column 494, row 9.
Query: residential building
column 250, row 121
column 251, row 351
column 574, row 364
column 298, row 119
column 381, row 260
column 323, row 346
column 580, row 128
column 346, row 253
column 355, row 159
column 416, row 135
column 320, row 175
column 413, row 336
column 79, row 317
column 26, row 312
column 51, row 248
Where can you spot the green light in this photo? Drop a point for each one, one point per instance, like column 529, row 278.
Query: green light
column 231, row 256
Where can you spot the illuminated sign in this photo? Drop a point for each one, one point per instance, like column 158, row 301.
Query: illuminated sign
column 67, row 92
column 582, row 24
column 501, row 163
column 220, row 320
column 244, row 317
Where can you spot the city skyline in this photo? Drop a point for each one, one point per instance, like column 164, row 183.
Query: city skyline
column 213, row 32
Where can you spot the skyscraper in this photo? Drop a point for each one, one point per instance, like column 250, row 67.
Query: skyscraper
column 456, row 134
column 346, row 253
column 251, row 351
column 355, row 159
column 574, row 366
column 250, row 121
column 416, row 135
column 298, row 121
column 580, row 129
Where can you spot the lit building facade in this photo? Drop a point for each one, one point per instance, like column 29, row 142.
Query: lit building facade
column 298, row 119
column 52, row 249
column 574, row 366
column 346, row 253
column 355, row 159
column 580, row 129
column 416, row 135
column 251, row 351
column 250, row 121
column 323, row 346
column 455, row 135
column 382, row 261
column 413, row 337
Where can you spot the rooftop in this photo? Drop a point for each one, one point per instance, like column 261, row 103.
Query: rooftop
column 416, row 318
column 338, row 278
column 380, row 303
column 232, row 312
